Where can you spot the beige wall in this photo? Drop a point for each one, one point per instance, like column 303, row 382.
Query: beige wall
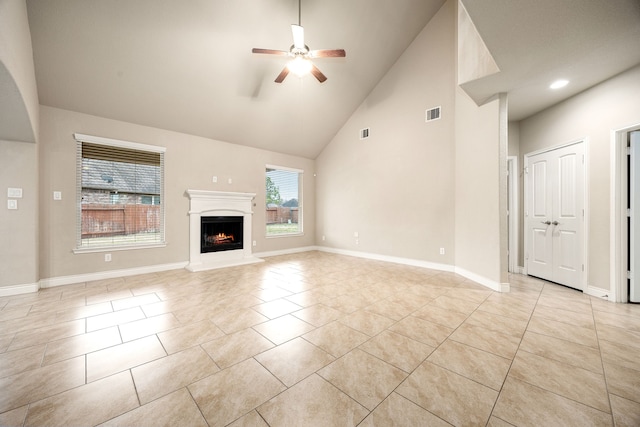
column 478, row 168
column 190, row 163
column 18, row 91
column 591, row 115
column 18, row 160
column 18, row 228
column 396, row 188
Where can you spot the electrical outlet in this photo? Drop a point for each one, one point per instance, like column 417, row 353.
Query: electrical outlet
column 107, row 257
column 441, row 251
column 214, row 179
column 254, row 243
column 230, row 181
column 12, row 204
column 357, row 241
column 323, row 238
column 57, row 195
column 355, row 234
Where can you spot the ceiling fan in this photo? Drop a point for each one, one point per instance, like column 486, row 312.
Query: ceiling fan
column 301, row 56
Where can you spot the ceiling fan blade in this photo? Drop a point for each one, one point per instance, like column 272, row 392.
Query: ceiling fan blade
column 298, row 36
column 270, row 51
column 282, row 75
column 318, row 74
column 328, row 53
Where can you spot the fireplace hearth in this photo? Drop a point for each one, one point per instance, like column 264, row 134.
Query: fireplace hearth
column 220, row 233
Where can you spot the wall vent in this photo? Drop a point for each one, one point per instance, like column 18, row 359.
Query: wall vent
column 432, row 114
column 364, row 133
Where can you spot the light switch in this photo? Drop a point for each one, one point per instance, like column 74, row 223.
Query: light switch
column 214, row 179
column 57, row 195
column 12, row 204
column 15, row 193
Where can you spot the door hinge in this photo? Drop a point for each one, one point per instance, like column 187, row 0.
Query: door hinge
column 628, row 151
column 583, row 267
column 629, row 213
column 629, row 275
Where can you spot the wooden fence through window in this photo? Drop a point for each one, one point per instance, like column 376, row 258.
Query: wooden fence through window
column 113, row 220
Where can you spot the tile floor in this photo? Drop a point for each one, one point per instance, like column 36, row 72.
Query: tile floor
column 317, row 339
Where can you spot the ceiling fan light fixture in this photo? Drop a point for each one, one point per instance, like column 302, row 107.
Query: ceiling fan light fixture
column 299, row 66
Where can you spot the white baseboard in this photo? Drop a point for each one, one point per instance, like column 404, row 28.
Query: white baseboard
column 599, row 293
column 27, row 288
column 111, row 274
column 491, row 284
column 285, row 251
column 387, row 258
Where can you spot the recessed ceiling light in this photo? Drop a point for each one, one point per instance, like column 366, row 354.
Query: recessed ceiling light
column 558, row 84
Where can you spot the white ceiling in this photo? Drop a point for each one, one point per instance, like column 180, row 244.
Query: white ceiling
column 187, row 66
column 535, row 42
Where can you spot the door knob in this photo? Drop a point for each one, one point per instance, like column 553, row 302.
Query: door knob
column 546, row 222
column 555, row 223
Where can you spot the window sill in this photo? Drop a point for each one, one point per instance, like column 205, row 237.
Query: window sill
column 277, row 236
column 118, row 248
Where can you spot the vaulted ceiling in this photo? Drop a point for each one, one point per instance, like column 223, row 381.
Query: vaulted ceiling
column 188, row 66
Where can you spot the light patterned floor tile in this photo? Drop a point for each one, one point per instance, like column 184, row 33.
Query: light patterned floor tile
column 522, row 404
column 414, row 346
column 233, row 392
column 177, row 408
column 90, row 404
column 336, row 339
column 163, row 376
column 398, row 350
column 452, row 397
column 312, row 403
column 365, row 378
column 294, row 360
column 401, row 412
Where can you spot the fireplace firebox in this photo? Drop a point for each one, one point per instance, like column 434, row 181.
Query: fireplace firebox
column 221, row 233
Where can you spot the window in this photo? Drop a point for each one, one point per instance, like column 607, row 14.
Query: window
column 284, row 201
column 119, row 192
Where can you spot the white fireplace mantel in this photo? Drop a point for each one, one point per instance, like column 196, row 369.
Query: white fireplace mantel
column 219, row 203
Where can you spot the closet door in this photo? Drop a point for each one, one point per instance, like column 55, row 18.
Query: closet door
column 555, row 215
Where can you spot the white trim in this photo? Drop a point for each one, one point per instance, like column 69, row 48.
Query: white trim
column 111, row 274
column 514, row 230
column 284, row 168
column 118, row 143
column 618, row 240
column 89, row 249
column 598, row 292
column 286, row 251
column 387, row 258
column 491, row 284
column 223, row 203
column 27, row 288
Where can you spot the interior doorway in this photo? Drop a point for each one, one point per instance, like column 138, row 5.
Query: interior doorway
column 622, row 217
column 555, row 214
column 512, row 213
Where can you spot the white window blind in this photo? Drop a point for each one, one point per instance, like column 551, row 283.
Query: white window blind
column 120, row 187
column 284, row 201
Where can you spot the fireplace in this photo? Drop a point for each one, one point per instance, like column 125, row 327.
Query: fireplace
column 220, row 233
column 220, row 229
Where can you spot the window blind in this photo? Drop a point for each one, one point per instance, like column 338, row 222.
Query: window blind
column 120, row 194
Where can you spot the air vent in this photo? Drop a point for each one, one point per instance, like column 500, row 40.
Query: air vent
column 364, row 133
column 433, row 114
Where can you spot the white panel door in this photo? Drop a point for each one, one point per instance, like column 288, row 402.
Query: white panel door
column 634, row 219
column 555, row 215
column 540, row 251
